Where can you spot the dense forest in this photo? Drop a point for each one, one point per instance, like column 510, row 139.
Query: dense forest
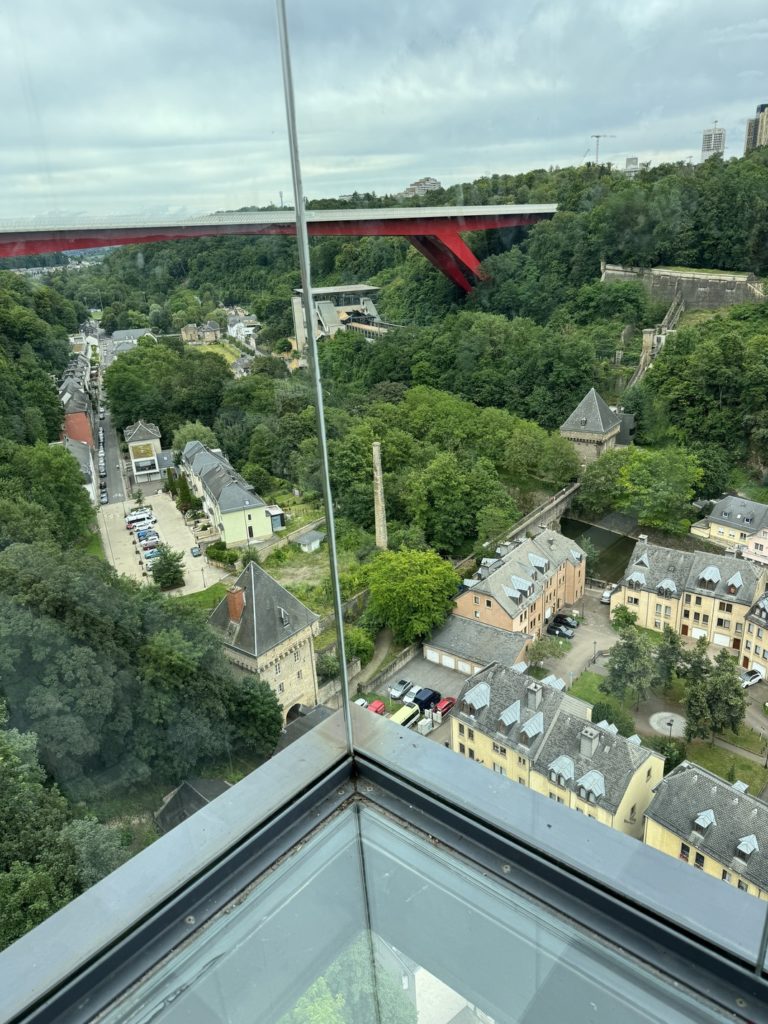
column 104, row 684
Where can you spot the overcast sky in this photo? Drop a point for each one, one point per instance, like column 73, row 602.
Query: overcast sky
column 164, row 106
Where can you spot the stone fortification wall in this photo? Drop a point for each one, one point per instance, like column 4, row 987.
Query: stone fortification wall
column 699, row 289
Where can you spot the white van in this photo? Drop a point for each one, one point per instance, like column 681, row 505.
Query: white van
column 138, row 521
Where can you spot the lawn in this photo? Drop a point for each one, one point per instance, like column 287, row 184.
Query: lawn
column 221, row 349
column 747, row 738
column 207, row 599
column 721, row 762
column 586, row 687
column 94, row 545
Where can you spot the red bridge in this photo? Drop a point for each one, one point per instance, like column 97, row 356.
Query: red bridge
column 434, row 231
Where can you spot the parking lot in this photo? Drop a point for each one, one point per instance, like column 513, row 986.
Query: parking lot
column 121, row 546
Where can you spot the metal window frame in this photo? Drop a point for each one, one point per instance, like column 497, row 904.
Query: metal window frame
column 643, row 903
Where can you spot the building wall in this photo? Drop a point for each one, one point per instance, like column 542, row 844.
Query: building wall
column 705, row 616
column 563, row 588
column 661, row 838
column 288, row 668
column 233, row 526
column 466, row 665
column 589, row 447
column 751, row 545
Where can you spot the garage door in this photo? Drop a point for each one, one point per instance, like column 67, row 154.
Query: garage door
column 697, row 633
column 448, row 660
column 465, row 668
column 720, row 640
column 432, row 654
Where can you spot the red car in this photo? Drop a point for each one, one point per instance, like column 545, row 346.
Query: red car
column 378, row 707
column 445, row 706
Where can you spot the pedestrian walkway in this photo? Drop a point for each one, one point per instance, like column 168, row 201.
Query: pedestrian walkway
column 380, row 651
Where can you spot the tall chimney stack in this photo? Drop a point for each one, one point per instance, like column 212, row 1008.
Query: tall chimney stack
column 379, row 510
column 235, row 603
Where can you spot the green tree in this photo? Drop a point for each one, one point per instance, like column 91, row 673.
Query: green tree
column 358, row 643
column 328, row 667
column 609, row 712
column 195, row 431
column 257, row 716
column 622, row 618
column 714, row 697
column 669, row 657
column 630, row 667
column 318, row 1005
column 544, row 649
column 411, row 592
column 168, row 569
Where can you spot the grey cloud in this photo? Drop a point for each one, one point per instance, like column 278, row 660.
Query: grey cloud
column 154, row 106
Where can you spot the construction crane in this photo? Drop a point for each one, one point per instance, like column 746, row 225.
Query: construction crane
column 597, row 145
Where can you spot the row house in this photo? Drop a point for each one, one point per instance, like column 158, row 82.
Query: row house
column 522, row 588
column 239, row 515
column 739, row 524
column 539, row 736
column 715, row 826
column 694, row 593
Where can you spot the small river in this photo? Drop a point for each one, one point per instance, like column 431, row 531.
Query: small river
column 613, row 549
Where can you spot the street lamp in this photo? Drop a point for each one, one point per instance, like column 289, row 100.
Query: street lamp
column 670, row 724
column 594, row 651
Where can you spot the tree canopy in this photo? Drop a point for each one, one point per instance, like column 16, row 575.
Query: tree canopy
column 411, row 592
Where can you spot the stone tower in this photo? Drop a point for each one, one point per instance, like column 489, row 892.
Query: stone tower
column 379, row 510
column 591, row 428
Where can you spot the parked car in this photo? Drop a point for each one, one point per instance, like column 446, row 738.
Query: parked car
column 104, row 498
column 400, row 688
column 749, row 677
column 606, row 595
column 426, row 698
column 378, row 707
column 195, row 551
column 410, row 697
column 361, row 702
column 561, row 631
column 148, row 537
column 446, row 705
column 102, row 471
column 566, row 620
column 154, row 553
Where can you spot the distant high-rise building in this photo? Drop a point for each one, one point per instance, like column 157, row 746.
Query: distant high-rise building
column 757, row 129
column 631, row 166
column 422, row 186
column 712, row 141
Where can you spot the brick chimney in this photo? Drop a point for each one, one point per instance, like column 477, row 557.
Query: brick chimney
column 235, row 603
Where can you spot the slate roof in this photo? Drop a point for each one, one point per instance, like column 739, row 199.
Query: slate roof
column 555, row 728
column 262, row 626
column 689, row 790
column 592, row 416
column 187, row 798
column 225, row 486
column 141, row 431
column 739, row 513
column 133, row 335
column 655, row 568
column 516, row 579
column 309, row 537
column 467, row 638
column 82, row 452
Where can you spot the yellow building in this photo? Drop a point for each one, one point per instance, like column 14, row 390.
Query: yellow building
column 526, row 585
column 233, row 506
column 694, row 593
column 738, row 524
column 268, row 631
column 539, row 736
column 712, row 825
